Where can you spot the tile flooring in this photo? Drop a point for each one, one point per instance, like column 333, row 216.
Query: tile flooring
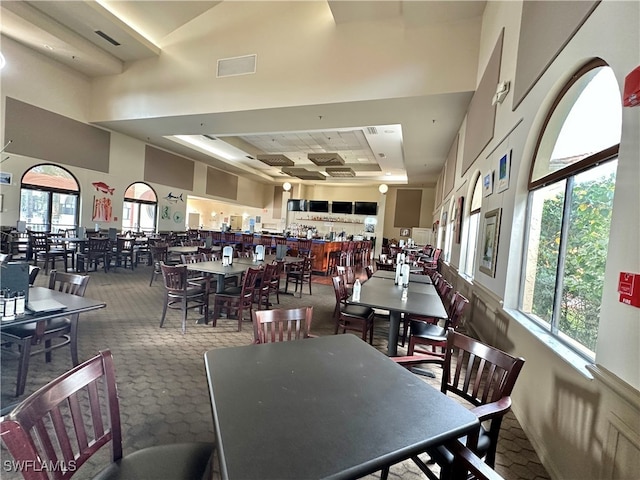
column 160, row 372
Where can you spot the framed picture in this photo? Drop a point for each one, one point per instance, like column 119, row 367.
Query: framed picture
column 405, row 232
column 487, row 184
column 490, row 237
column 5, row 178
column 504, row 169
column 457, row 216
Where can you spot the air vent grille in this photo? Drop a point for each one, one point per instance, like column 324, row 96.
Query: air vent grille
column 372, row 130
column 113, row 42
column 229, row 67
column 304, row 174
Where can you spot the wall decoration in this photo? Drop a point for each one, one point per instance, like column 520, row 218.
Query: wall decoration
column 490, row 237
column 165, row 212
column 487, row 184
column 102, row 209
column 5, row 178
column 436, row 224
column 178, row 217
column 504, row 169
column 405, row 232
column 171, row 198
column 103, row 187
column 457, row 219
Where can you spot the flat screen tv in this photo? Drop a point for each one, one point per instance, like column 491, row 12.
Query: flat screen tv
column 295, row 205
column 365, row 208
column 341, row 207
column 318, row 205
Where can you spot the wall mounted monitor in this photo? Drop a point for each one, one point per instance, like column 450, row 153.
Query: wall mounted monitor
column 296, row 205
column 318, row 206
column 365, row 208
column 341, row 207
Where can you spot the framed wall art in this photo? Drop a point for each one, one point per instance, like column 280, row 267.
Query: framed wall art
column 504, row 169
column 487, row 184
column 405, row 232
column 490, row 236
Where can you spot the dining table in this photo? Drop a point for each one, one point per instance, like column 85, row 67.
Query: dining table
column 384, row 294
column 326, row 407
column 413, row 277
column 69, row 304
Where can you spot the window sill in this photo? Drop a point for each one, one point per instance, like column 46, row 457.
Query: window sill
column 570, row 356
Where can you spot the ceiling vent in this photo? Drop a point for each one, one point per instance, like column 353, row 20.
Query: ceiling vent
column 229, row 67
column 210, row 137
column 100, row 33
column 276, row 160
column 304, row 174
column 340, row 172
column 372, row 130
column 326, row 159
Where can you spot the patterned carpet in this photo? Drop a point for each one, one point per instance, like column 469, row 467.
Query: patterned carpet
column 160, row 372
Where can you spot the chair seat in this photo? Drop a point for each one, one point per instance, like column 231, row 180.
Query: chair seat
column 443, row 456
column 29, row 329
column 428, row 331
column 231, row 291
column 356, row 311
column 188, row 461
column 191, row 292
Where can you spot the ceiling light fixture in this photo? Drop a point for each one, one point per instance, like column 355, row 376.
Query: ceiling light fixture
column 340, row 172
column 276, row 160
column 286, row 186
column 326, row 159
column 383, row 188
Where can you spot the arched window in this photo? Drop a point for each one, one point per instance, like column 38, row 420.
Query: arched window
column 448, row 236
column 470, row 234
column 49, row 198
column 571, row 188
column 139, row 208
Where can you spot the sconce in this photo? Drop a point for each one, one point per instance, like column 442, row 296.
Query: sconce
column 383, row 188
column 286, row 186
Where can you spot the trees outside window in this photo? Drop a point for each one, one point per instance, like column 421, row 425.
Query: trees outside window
column 49, row 198
column 571, row 186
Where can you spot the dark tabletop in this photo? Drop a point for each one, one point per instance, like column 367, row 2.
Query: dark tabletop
column 422, row 299
column 74, row 304
column 413, row 277
column 328, row 407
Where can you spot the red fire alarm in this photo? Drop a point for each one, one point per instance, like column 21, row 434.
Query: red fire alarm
column 629, row 288
column 631, row 97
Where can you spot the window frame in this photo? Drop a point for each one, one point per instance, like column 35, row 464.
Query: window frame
column 567, row 175
column 140, row 202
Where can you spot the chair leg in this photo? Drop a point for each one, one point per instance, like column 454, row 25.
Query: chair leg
column 184, row 316
column 164, row 310
column 23, row 365
column 47, row 351
column 73, row 341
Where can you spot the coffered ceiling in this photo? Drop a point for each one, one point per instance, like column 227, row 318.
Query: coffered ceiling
column 400, row 141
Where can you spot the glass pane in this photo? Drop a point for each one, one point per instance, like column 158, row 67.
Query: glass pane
column 476, row 199
column 587, row 241
column 587, row 120
column 50, row 176
column 34, row 209
column 140, row 191
column 148, row 218
column 542, row 251
column 472, row 239
column 63, row 211
column 129, row 216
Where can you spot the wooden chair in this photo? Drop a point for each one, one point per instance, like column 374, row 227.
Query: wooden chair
column 124, row 253
column 237, row 300
column 299, row 273
column 44, row 248
column 180, row 293
column 348, row 275
column 351, row 317
column 390, row 267
column 159, row 254
column 369, row 271
column 483, row 376
column 83, row 405
column 280, row 325
column 98, row 251
column 33, row 274
column 424, row 332
column 62, row 330
column 269, row 284
column 304, row 247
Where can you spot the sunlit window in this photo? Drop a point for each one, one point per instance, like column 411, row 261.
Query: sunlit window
column 139, row 208
column 571, row 188
column 49, row 199
column 470, row 231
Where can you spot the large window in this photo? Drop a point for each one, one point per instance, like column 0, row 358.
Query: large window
column 49, row 197
column 448, row 236
column 571, row 190
column 470, row 231
column 139, row 208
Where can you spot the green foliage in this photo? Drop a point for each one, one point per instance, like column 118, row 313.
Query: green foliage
column 584, row 262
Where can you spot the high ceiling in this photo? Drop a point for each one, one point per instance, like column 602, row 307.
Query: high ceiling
column 374, row 142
